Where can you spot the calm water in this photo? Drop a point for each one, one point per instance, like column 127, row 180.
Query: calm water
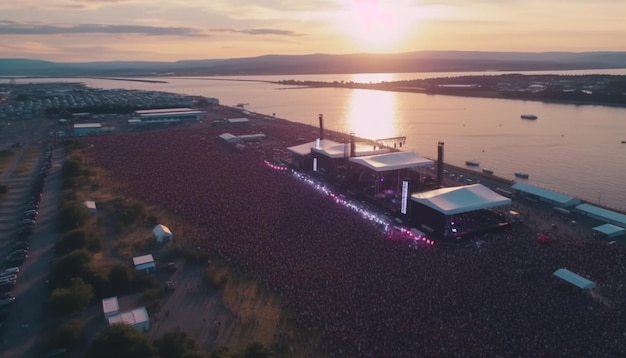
column 572, row 149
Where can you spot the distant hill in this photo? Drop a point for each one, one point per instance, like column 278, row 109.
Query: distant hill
column 422, row 61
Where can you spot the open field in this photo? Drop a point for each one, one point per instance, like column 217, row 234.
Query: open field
column 28, row 162
column 359, row 289
column 5, row 161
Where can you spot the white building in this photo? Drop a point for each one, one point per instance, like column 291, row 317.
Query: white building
column 137, row 318
column 110, row 307
column 144, row 263
column 162, row 233
column 91, row 206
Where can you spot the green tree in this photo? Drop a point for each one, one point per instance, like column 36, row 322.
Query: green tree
column 73, row 240
column 72, row 216
column 174, row 344
column 120, row 277
column 221, row 352
column 74, row 264
column 121, row 340
column 71, row 168
column 194, row 354
column 255, row 349
column 64, row 301
column 68, row 335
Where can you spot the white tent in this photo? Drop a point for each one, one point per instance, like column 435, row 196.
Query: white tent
column 392, row 161
column 305, row 149
column 137, row 318
column 91, row 206
column 461, row 199
column 162, row 233
column 110, row 307
column 144, row 263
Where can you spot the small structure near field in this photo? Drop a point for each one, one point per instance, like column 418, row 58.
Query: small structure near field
column 162, row 233
column 138, row 318
column 91, row 207
column 144, row 263
column 110, row 307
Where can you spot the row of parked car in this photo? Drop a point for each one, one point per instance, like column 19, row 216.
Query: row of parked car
column 21, row 246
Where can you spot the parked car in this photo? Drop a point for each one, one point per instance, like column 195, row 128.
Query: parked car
column 19, row 252
column 10, row 271
column 170, row 285
column 7, row 286
column 11, row 277
column 21, row 245
column 31, row 214
column 10, row 299
column 16, row 259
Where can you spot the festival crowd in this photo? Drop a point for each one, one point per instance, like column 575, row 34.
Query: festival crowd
column 364, row 291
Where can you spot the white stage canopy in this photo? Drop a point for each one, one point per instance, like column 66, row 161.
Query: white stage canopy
column 305, row 149
column 342, row 150
column 461, row 199
column 392, row 161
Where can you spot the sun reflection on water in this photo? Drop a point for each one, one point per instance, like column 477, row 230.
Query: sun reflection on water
column 372, row 114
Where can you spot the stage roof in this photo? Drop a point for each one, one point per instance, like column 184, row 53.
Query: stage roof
column 305, row 149
column 574, row 279
column 610, row 230
column 392, row 161
column 461, row 199
column 342, row 150
column 603, row 214
column 558, row 198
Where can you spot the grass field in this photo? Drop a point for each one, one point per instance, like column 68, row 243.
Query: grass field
column 6, row 157
column 28, row 162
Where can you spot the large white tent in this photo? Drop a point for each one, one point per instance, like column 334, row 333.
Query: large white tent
column 162, row 233
column 137, row 318
column 342, row 150
column 461, row 199
column 392, row 161
column 305, row 148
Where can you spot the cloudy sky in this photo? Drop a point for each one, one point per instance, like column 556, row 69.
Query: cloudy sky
column 169, row 30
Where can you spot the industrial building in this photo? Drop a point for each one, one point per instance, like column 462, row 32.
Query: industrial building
column 165, row 115
column 83, row 129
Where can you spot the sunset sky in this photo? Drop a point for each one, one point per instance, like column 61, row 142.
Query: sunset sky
column 169, row 30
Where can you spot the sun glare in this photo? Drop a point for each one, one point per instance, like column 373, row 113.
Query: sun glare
column 378, row 25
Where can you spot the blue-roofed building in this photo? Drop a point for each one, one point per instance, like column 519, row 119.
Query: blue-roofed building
column 610, row 231
column 601, row 214
column 575, row 279
column 546, row 195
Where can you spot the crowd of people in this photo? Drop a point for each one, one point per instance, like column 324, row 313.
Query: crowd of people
column 364, row 291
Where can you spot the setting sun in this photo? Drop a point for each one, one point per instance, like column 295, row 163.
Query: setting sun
column 378, row 25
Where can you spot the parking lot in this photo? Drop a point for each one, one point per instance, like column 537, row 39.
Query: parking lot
column 28, row 225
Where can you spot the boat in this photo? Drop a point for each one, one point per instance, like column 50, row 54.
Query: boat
column 521, row 175
column 472, row 163
column 487, row 171
column 528, row 116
